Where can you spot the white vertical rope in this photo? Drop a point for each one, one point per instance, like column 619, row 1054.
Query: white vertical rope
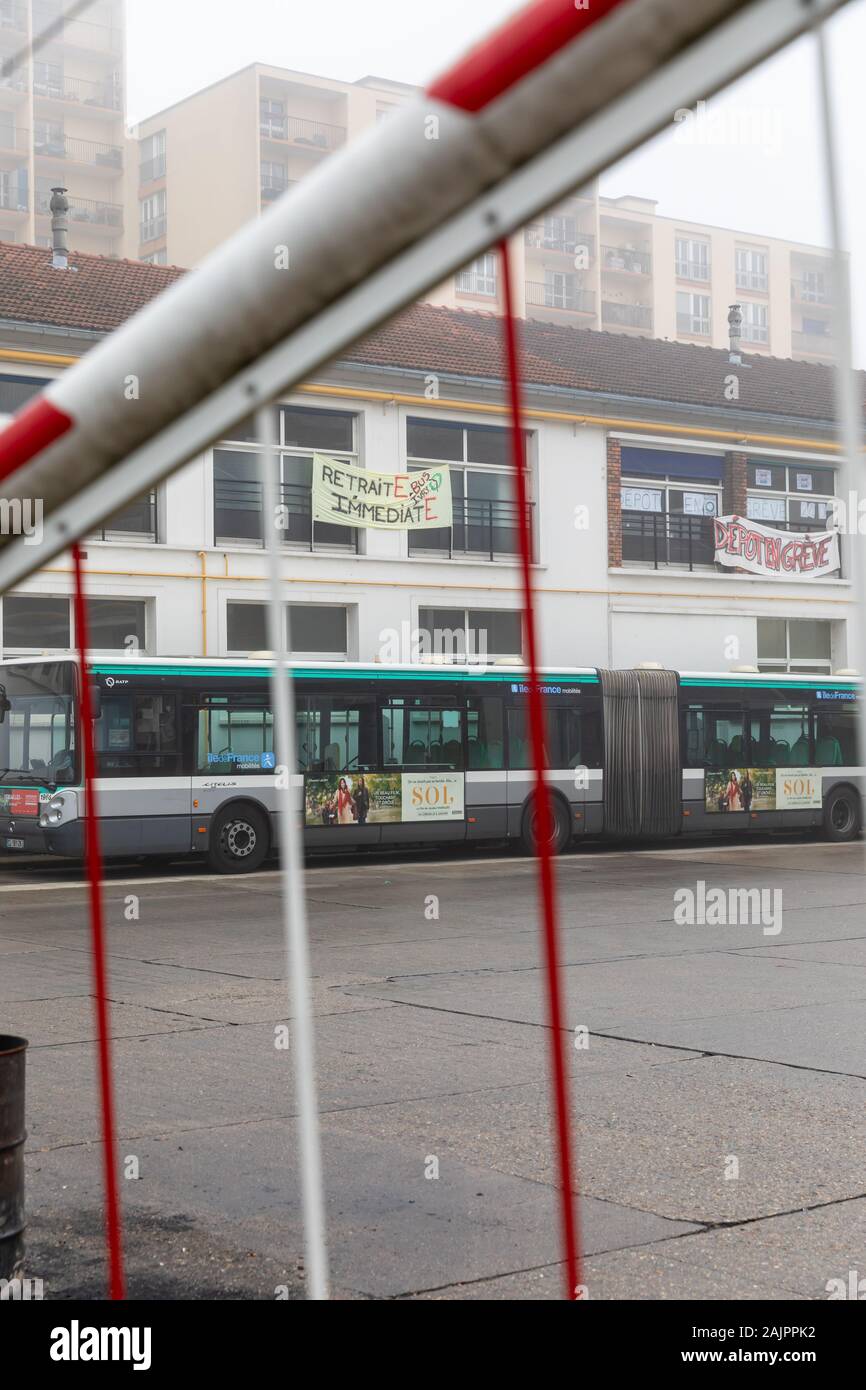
column 851, row 469
column 291, row 875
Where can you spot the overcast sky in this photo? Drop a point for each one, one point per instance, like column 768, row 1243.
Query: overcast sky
column 756, row 165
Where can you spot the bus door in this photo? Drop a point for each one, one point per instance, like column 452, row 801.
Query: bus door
column 344, row 798
column 565, row 768
column 486, row 777
column 144, row 796
column 424, row 768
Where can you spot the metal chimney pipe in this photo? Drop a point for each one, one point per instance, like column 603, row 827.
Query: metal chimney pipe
column 59, row 207
column 735, row 323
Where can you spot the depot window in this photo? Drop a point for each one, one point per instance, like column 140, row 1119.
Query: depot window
column 669, row 500
column 301, row 431
column 790, row 496
column 794, row 644
column 484, row 512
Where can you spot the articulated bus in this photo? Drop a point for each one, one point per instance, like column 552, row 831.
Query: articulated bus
column 411, row 755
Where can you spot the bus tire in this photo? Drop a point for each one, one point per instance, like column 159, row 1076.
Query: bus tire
column 561, row 830
column 239, row 839
column 842, row 815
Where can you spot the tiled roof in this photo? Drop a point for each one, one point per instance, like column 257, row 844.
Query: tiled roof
column 100, row 293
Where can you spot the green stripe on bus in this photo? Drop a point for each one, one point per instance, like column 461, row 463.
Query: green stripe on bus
column 336, row 674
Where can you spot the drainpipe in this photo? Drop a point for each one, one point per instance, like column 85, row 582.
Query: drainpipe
column 202, row 555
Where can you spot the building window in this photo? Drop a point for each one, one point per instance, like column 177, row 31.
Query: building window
column 479, row 277
column 152, row 157
column 560, row 290
column 756, row 322
column 668, row 502
column 35, row 622
column 794, row 644
column 272, row 118
column 48, row 138
column 275, row 178
column 751, row 268
column 693, row 314
column 117, row 624
column 484, row 516
column 790, row 497
column 813, row 287
column 560, row 233
column 692, row 259
column 16, row 391
column 318, row 631
column 134, row 522
column 470, row 634
column 47, row 80
column 237, row 486
column 152, row 216
column 159, row 257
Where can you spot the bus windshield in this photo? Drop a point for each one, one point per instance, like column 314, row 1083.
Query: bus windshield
column 37, row 733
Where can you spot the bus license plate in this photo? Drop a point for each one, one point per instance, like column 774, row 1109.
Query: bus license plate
column 14, row 844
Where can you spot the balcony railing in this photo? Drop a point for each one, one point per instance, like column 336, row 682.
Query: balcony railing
column 15, row 82
column 87, row 210
column 104, row 95
column 480, row 526
column 551, row 297
column 151, row 169
column 752, row 280
column 13, row 199
column 238, row 517
column 81, row 151
column 473, row 282
column 693, row 270
column 667, row 539
column 11, row 139
column 275, row 188
column 535, row 238
column 818, row 344
column 627, row 315
column 628, row 262
column 809, row 293
column 295, row 130
column 136, row 522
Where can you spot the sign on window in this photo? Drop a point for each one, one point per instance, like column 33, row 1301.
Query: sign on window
column 641, row 499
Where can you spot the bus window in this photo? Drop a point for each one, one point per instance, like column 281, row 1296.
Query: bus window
column 416, row 735
column 136, row 735
column 336, row 734
column 836, row 737
column 780, row 736
column 485, row 733
column 714, row 738
column 567, row 730
column 235, row 737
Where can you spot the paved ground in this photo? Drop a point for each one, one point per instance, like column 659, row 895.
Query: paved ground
column 710, row 1048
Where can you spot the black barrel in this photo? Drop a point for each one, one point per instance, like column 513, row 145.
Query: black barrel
column 12, row 1136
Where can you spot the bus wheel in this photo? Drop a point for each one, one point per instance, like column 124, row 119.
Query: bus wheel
column 238, row 840
column 842, row 815
column 560, row 832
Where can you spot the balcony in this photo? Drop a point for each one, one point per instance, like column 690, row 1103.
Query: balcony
column 86, row 211
column 568, row 300
column 151, row 169
column 136, row 522
column 663, row 539
column 486, row 528
column 13, row 199
column 293, row 130
column 752, row 280
column 813, row 344
column 624, row 262
column 100, row 96
column 14, row 141
column 272, row 189
column 808, row 292
column 238, row 517
column 90, row 152
column 535, row 240
column 626, row 316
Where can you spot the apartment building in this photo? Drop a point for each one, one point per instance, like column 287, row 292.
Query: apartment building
column 593, row 262
column 62, row 123
column 634, row 451
column 250, row 136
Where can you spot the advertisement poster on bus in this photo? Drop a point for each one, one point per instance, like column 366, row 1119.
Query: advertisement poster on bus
column 763, row 789
column 377, row 798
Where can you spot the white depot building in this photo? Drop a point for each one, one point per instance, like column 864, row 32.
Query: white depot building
column 635, row 448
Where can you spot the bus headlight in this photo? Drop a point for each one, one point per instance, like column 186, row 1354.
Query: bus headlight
column 53, row 813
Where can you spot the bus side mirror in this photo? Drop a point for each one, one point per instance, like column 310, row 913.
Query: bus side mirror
column 95, row 702
column 5, row 704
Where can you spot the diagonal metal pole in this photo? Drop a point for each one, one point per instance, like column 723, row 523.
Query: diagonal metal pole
column 295, row 930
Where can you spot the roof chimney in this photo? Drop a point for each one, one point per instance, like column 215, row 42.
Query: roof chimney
column 59, row 206
column 735, row 323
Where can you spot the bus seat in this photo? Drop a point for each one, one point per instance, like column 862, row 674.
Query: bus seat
column 779, row 751
column 452, row 753
column 717, row 753
column 828, row 752
column 417, row 753
column 332, row 757
column 800, row 751
column 477, row 754
column 495, row 755
column 435, row 753
column 735, row 748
